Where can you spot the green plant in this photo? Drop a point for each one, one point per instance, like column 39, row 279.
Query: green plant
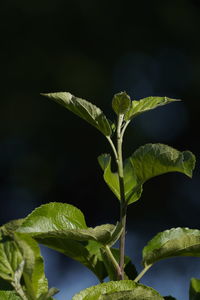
column 62, row 227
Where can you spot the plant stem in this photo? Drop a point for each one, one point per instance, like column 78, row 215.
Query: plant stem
column 123, row 205
column 142, row 273
column 113, row 147
column 19, row 290
column 113, row 260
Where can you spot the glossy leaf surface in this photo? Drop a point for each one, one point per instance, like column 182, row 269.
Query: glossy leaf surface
column 121, row 103
column 115, row 289
column 145, row 104
column 146, row 162
column 62, row 227
column 84, row 109
column 171, row 243
column 194, row 291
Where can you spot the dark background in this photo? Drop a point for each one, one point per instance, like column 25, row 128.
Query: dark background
column 94, row 49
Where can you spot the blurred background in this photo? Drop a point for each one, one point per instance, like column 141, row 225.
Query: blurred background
column 94, row 49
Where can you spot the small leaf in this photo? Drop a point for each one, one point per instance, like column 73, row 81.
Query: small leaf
column 84, row 109
column 194, row 291
column 149, row 103
column 121, row 103
column 9, row 295
column 62, row 227
column 115, row 289
column 171, row 243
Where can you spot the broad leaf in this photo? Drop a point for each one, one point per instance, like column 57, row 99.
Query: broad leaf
column 194, row 289
column 84, row 109
column 171, row 243
column 152, row 160
column 129, row 268
column 121, row 103
column 149, row 103
column 114, row 290
column 33, row 272
column 63, row 228
column 8, row 295
column 146, row 162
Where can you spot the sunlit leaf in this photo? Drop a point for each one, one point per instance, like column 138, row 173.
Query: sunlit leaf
column 116, row 290
column 194, row 291
column 146, row 162
column 62, row 227
column 143, row 105
column 152, row 160
column 171, row 243
column 84, row 109
column 121, row 103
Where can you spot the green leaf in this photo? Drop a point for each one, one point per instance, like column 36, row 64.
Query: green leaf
column 62, row 227
column 149, row 103
column 84, row 109
column 142, row 293
column 146, row 162
column 64, row 221
column 115, row 289
column 171, row 243
column 129, row 268
column 152, row 160
column 33, row 272
column 121, row 103
column 8, row 295
column 194, row 291
column 10, row 258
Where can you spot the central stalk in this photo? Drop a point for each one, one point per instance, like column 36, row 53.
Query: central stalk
column 123, row 206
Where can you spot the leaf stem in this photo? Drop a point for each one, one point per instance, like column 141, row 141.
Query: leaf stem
column 124, row 128
column 19, row 290
column 113, row 147
column 113, row 260
column 146, row 268
column 123, row 205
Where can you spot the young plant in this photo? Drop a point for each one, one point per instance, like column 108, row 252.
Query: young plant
column 62, row 227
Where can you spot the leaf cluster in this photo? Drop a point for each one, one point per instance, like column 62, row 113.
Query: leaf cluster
column 63, row 227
